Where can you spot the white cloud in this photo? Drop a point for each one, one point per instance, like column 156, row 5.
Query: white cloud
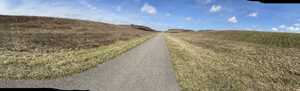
column 275, row 29
column 282, row 26
column 188, row 18
column 253, row 14
column 147, row 8
column 215, row 8
column 297, row 24
column 291, row 28
column 233, row 20
column 179, row 26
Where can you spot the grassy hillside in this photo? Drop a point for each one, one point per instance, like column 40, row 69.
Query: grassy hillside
column 19, row 33
column 236, row 60
column 178, row 30
column 273, row 39
column 44, row 48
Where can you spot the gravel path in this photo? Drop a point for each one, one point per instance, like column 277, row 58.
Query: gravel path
column 144, row 68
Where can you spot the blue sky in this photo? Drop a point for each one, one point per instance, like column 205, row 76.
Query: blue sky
column 164, row 14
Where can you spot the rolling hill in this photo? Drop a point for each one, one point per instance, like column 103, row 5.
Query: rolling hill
column 236, row 60
column 33, row 47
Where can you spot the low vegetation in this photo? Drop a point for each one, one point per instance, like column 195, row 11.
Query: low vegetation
column 179, row 30
column 235, row 60
column 46, row 48
column 271, row 39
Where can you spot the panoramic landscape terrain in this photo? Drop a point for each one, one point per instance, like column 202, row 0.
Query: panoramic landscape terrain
column 45, row 48
column 235, row 60
column 149, row 45
column 40, row 48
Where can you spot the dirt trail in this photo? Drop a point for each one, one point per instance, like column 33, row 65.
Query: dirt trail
column 144, row 68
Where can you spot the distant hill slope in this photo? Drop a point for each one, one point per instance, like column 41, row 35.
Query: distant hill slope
column 287, row 40
column 138, row 27
column 179, row 30
column 25, row 33
column 25, row 22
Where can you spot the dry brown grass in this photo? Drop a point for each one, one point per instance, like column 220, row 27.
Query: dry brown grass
column 207, row 62
column 46, row 48
column 20, row 33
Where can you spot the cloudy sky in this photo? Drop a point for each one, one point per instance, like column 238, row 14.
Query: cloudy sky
column 164, row 14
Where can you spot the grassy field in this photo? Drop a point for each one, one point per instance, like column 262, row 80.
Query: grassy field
column 47, row 48
column 236, row 60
